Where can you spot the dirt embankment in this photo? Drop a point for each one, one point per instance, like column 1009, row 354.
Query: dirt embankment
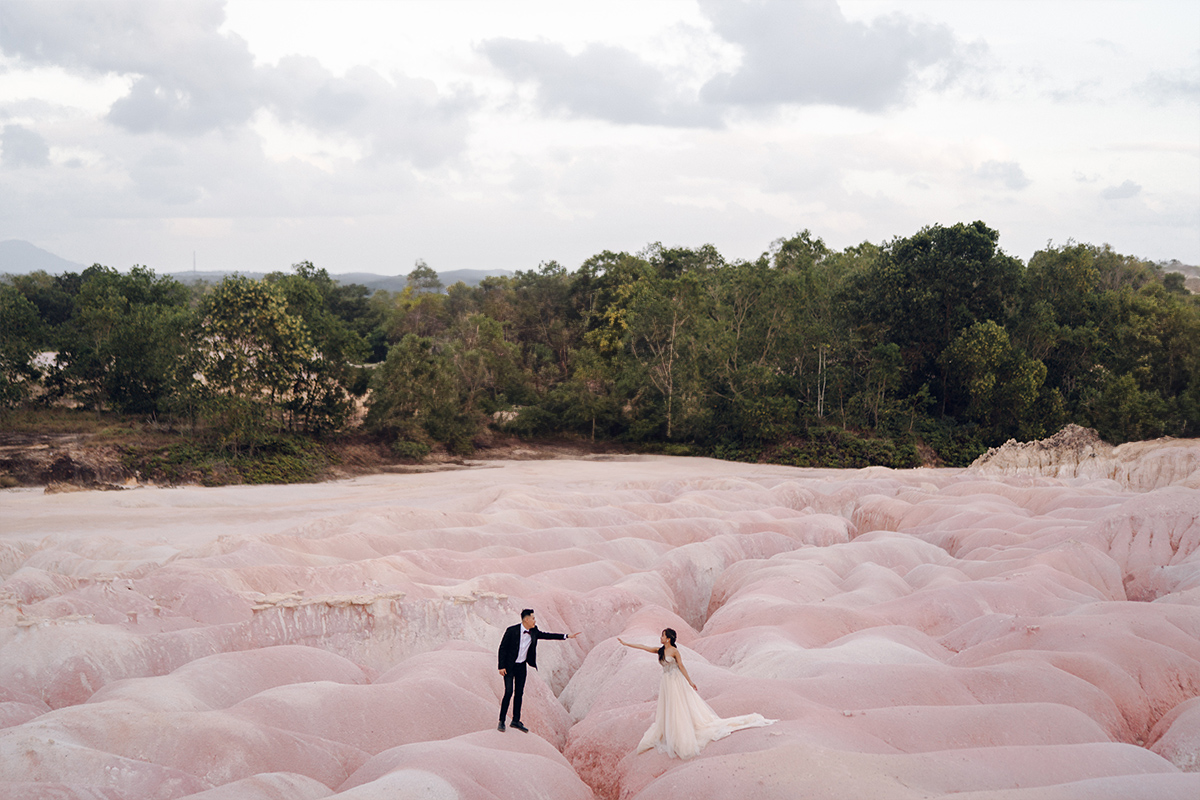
column 82, row 461
column 37, row 459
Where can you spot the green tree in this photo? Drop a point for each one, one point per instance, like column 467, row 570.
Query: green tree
column 485, row 365
column 1175, row 282
column 590, row 401
column 251, row 354
column 829, row 335
column 1117, row 271
column 422, row 313
column 120, row 348
column 415, row 400
column 801, row 253
column 423, row 279
column 883, row 374
column 1066, row 278
column 20, row 330
column 1002, row 384
column 546, row 320
column 747, row 321
column 1059, row 321
column 320, row 400
column 930, row 287
column 658, row 314
column 54, row 297
column 1121, row 411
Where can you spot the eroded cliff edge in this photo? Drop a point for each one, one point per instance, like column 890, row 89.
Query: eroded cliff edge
column 1077, row 452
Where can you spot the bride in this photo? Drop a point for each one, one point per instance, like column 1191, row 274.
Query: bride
column 684, row 723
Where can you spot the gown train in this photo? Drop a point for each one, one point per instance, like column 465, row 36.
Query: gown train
column 684, row 723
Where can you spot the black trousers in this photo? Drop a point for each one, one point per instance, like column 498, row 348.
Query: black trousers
column 514, row 690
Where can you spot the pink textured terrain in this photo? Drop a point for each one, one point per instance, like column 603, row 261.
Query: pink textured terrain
column 918, row 634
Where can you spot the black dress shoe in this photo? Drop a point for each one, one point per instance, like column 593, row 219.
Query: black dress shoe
column 500, row 727
column 520, row 727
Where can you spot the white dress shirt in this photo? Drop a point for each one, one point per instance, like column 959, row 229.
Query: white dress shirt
column 526, row 639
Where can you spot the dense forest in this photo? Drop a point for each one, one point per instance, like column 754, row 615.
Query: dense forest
column 928, row 348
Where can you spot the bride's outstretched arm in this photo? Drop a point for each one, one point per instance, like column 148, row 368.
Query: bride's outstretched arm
column 683, row 669
column 638, row 646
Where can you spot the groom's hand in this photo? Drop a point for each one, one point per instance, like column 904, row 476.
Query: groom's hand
column 573, row 635
column 503, row 672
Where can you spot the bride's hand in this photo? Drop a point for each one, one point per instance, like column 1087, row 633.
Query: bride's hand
column 693, row 686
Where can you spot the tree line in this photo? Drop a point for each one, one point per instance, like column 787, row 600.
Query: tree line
column 935, row 344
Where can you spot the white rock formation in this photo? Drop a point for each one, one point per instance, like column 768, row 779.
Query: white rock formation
column 1076, row 452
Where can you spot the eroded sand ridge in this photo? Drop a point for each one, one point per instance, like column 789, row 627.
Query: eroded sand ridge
column 918, row 634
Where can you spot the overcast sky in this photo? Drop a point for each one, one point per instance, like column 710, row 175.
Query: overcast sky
column 364, row 135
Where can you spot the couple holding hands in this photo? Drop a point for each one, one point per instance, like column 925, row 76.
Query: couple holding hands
column 683, row 723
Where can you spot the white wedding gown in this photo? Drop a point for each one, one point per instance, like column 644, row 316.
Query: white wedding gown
column 684, row 723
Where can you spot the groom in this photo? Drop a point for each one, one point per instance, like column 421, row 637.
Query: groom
column 518, row 648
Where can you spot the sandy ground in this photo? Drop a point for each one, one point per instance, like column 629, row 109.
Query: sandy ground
column 992, row 633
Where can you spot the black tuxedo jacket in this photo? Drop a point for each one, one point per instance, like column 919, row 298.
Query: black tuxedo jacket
column 510, row 646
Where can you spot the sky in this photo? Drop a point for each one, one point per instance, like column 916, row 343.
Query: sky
column 362, row 136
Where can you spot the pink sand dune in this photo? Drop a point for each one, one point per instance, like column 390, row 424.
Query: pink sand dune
column 1028, row 629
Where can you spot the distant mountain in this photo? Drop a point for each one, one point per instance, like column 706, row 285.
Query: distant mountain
column 471, row 277
column 18, row 257
column 213, row 275
column 394, row 283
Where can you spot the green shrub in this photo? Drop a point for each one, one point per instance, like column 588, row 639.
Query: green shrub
column 955, row 446
column 275, row 459
column 736, row 452
column 279, row 468
column 791, row 457
column 532, row 421
column 833, row 447
column 410, row 450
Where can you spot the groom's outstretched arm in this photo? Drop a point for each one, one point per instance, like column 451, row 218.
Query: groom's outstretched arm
column 544, row 635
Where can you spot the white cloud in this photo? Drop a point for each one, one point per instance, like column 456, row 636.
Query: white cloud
column 793, row 52
column 1179, row 85
column 807, row 52
column 1006, row 173
column 1126, row 190
column 398, row 118
column 502, row 134
column 601, row 82
column 189, row 77
column 22, row 147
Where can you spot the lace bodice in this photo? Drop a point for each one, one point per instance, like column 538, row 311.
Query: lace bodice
column 668, row 663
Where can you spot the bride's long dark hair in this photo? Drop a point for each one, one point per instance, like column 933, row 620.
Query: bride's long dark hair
column 662, row 651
